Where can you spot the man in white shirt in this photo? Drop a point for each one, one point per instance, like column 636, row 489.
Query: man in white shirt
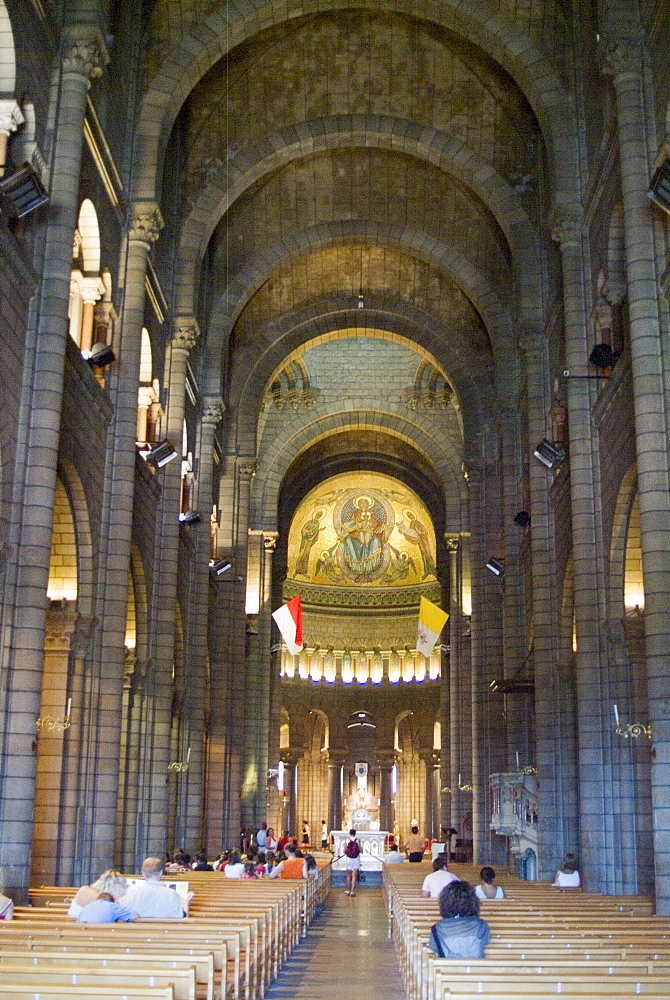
column 394, row 857
column 262, row 836
column 153, row 898
column 440, row 876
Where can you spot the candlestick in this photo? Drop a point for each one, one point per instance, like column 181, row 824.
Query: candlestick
column 188, row 755
column 616, row 713
column 69, row 706
column 517, row 760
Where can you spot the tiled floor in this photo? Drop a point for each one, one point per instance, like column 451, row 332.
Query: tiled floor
column 346, row 953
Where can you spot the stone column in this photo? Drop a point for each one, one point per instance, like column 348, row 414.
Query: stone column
column 599, row 848
column 554, row 695
column 11, row 117
column 290, row 759
column 385, row 764
column 485, row 643
column 195, row 698
column 451, row 688
column 83, row 56
column 335, row 763
column 115, row 534
column 91, row 290
column 431, row 762
column 166, row 563
column 624, row 59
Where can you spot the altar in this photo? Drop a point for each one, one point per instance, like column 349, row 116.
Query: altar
column 372, row 849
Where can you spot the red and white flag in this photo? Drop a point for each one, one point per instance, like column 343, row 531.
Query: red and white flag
column 289, row 623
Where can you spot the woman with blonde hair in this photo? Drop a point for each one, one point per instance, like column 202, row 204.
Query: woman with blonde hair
column 111, row 881
column 6, row 904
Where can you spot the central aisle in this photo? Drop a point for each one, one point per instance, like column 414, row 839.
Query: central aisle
column 346, row 953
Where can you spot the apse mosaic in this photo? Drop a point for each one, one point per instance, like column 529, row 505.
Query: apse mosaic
column 362, row 529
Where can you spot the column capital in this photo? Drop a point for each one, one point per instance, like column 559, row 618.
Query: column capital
column 82, row 634
column 247, row 469
column 567, row 224
column 213, row 409
column 186, row 333
column 84, row 52
column 270, row 540
column 146, row 224
column 11, row 116
column 620, row 56
column 453, row 541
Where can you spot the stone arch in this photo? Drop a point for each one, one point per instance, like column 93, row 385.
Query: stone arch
column 382, row 132
column 71, row 564
column 619, row 543
column 139, row 584
column 89, row 232
column 324, row 317
column 477, row 21
column 7, row 53
column 273, row 466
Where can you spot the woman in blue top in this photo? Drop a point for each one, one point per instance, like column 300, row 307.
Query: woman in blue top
column 461, row 933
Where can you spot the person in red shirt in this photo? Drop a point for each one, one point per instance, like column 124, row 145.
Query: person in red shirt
column 283, row 841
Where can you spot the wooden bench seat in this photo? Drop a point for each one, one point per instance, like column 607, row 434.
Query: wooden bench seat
column 55, row 992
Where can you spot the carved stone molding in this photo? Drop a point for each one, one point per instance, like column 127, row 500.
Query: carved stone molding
column 247, row 469
column 84, row 51
column 270, row 540
column 567, row 224
column 186, row 334
column 213, row 409
column 11, row 116
column 621, row 56
column 146, row 224
column 453, row 541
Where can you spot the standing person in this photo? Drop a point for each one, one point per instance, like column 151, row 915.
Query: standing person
column 352, row 852
column 262, row 836
column 440, row 877
column 305, row 832
column 270, row 840
column 414, row 845
column 324, row 835
column 461, row 933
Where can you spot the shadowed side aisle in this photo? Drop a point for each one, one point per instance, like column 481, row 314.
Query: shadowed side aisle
column 347, row 952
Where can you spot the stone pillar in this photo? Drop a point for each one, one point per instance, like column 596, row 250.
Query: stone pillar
column 386, row 817
column 91, row 291
column 83, row 56
column 624, row 59
column 290, row 759
column 431, row 762
column 485, row 644
column 196, row 695
column 11, row 117
column 451, row 682
column 335, row 763
column 599, row 845
column 115, row 534
column 554, row 695
column 166, row 563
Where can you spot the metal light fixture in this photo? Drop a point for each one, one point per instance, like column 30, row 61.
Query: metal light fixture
column 217, row 569
column 495, row 566
column 190, row 517
column 21, row 191
column 548, row 454
column 522, row 519
column 99, row 356
column 602, row 356
column 161, row 454
column 659, row 191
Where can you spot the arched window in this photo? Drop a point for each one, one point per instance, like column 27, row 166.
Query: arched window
column 86, row 284
column 633, row 580
column 63, row 569
column 148, row 397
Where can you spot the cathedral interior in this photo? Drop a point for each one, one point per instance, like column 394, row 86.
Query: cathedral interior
column 363, row 302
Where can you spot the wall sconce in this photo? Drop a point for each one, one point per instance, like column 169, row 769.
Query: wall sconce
column 161, row 454
column 634, row 729
column 495, row 566
column 51, row 723
column 659, row 191
column 463, row 788
column 548, row 455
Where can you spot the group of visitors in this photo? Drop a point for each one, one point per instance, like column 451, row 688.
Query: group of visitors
column 110, row 898
column 461, row 933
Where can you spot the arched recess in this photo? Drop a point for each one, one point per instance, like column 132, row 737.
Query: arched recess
column 63, row 566
column 482, row 24
column 86, row 284
column 625, row 569
column 411, row 794
column 284, row 730
column 148, row 397
column 7, row 53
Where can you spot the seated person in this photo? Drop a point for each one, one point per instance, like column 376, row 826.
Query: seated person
column 201, row 864
column 105, row 910
column 440, row 876
column 6, row 904
column 249, row 870
column 235, row 866
column 111, row 881
column 394, row 857
column 153, row 898
column 487, row 888
column 292, row 866
column 461, row 933
column 312, row 868
column 568, row 876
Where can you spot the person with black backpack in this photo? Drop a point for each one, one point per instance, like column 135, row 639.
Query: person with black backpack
column 352, row 853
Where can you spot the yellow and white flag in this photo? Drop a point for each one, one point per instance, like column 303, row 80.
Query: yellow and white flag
column 431, row 623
